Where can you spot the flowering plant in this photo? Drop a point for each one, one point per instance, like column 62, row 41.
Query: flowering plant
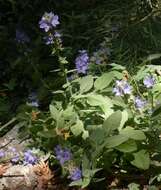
column 96, row 123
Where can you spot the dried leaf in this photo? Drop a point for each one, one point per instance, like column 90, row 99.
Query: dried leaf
column 3, row 168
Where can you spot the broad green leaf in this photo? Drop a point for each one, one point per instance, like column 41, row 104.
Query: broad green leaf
column 141, row 160
column 47, row 134
column 157, row 87
column 97, row 100
column 117, row 66
column 112, row 122
column 117, row 74
column 153, row 56
column 156, row 111
column 124, row 119
column 103, row 81
column 118, row 101
column 86, row 83
column 76, row 183
column 97, row 135
column 133, row 134
column 54, row 112
column 133, row 186
column 86, row 182
column 114, row 141
column 78, row 128
column 129, row 146
column 85, row 134
column 141, row 73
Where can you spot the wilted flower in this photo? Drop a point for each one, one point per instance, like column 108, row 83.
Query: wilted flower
column 75, row 174
column 62, row 155
column 48, row 21
column 82, row 62
column 29, row 158
column 139, row 103
column 122, row 87
column 21, row 36
column 149, row 81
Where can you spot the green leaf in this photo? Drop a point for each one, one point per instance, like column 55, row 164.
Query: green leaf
column 97, row 135
column 153, row 56
column 103, row 81
column 141, row 160
column 156, row 111
column 129, row 146
column 76, row 183
column 86, row 83
column 54, row 112
column 85, row 134
column 112, row 122
column 124, row 119
column 114, row 141
column 97, row 100
column 133, row 134
column 47, row 134
column 78, row 128
column 133, row 186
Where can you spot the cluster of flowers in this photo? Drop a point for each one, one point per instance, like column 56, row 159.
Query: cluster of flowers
column 15, row 157
column 65, row 155
column 122, row 88
column 48, row 22
column 82, row 62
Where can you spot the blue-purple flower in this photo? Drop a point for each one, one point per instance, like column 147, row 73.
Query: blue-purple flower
column 21, row 36
column 75, row 174
column 51, row 37
column 63, row 155
column 2, row 153
column 49, row 21
column 15, row 159
column 149, row 81
column 82, row 62
column 29, row 157
column 121, row 88
column 139, row 103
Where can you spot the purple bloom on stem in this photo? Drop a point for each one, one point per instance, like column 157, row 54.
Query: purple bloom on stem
column 149, row 81
column 57, row 34
column 82, row 62
column 2, row 153
column 62, row 155
column 48, row 21
column 127, row 89
column 29, row 158
column 75, row 174
column 117, row 91
column 16, row 158
column 49, row 39
column 121, row 88
column 139, row 103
